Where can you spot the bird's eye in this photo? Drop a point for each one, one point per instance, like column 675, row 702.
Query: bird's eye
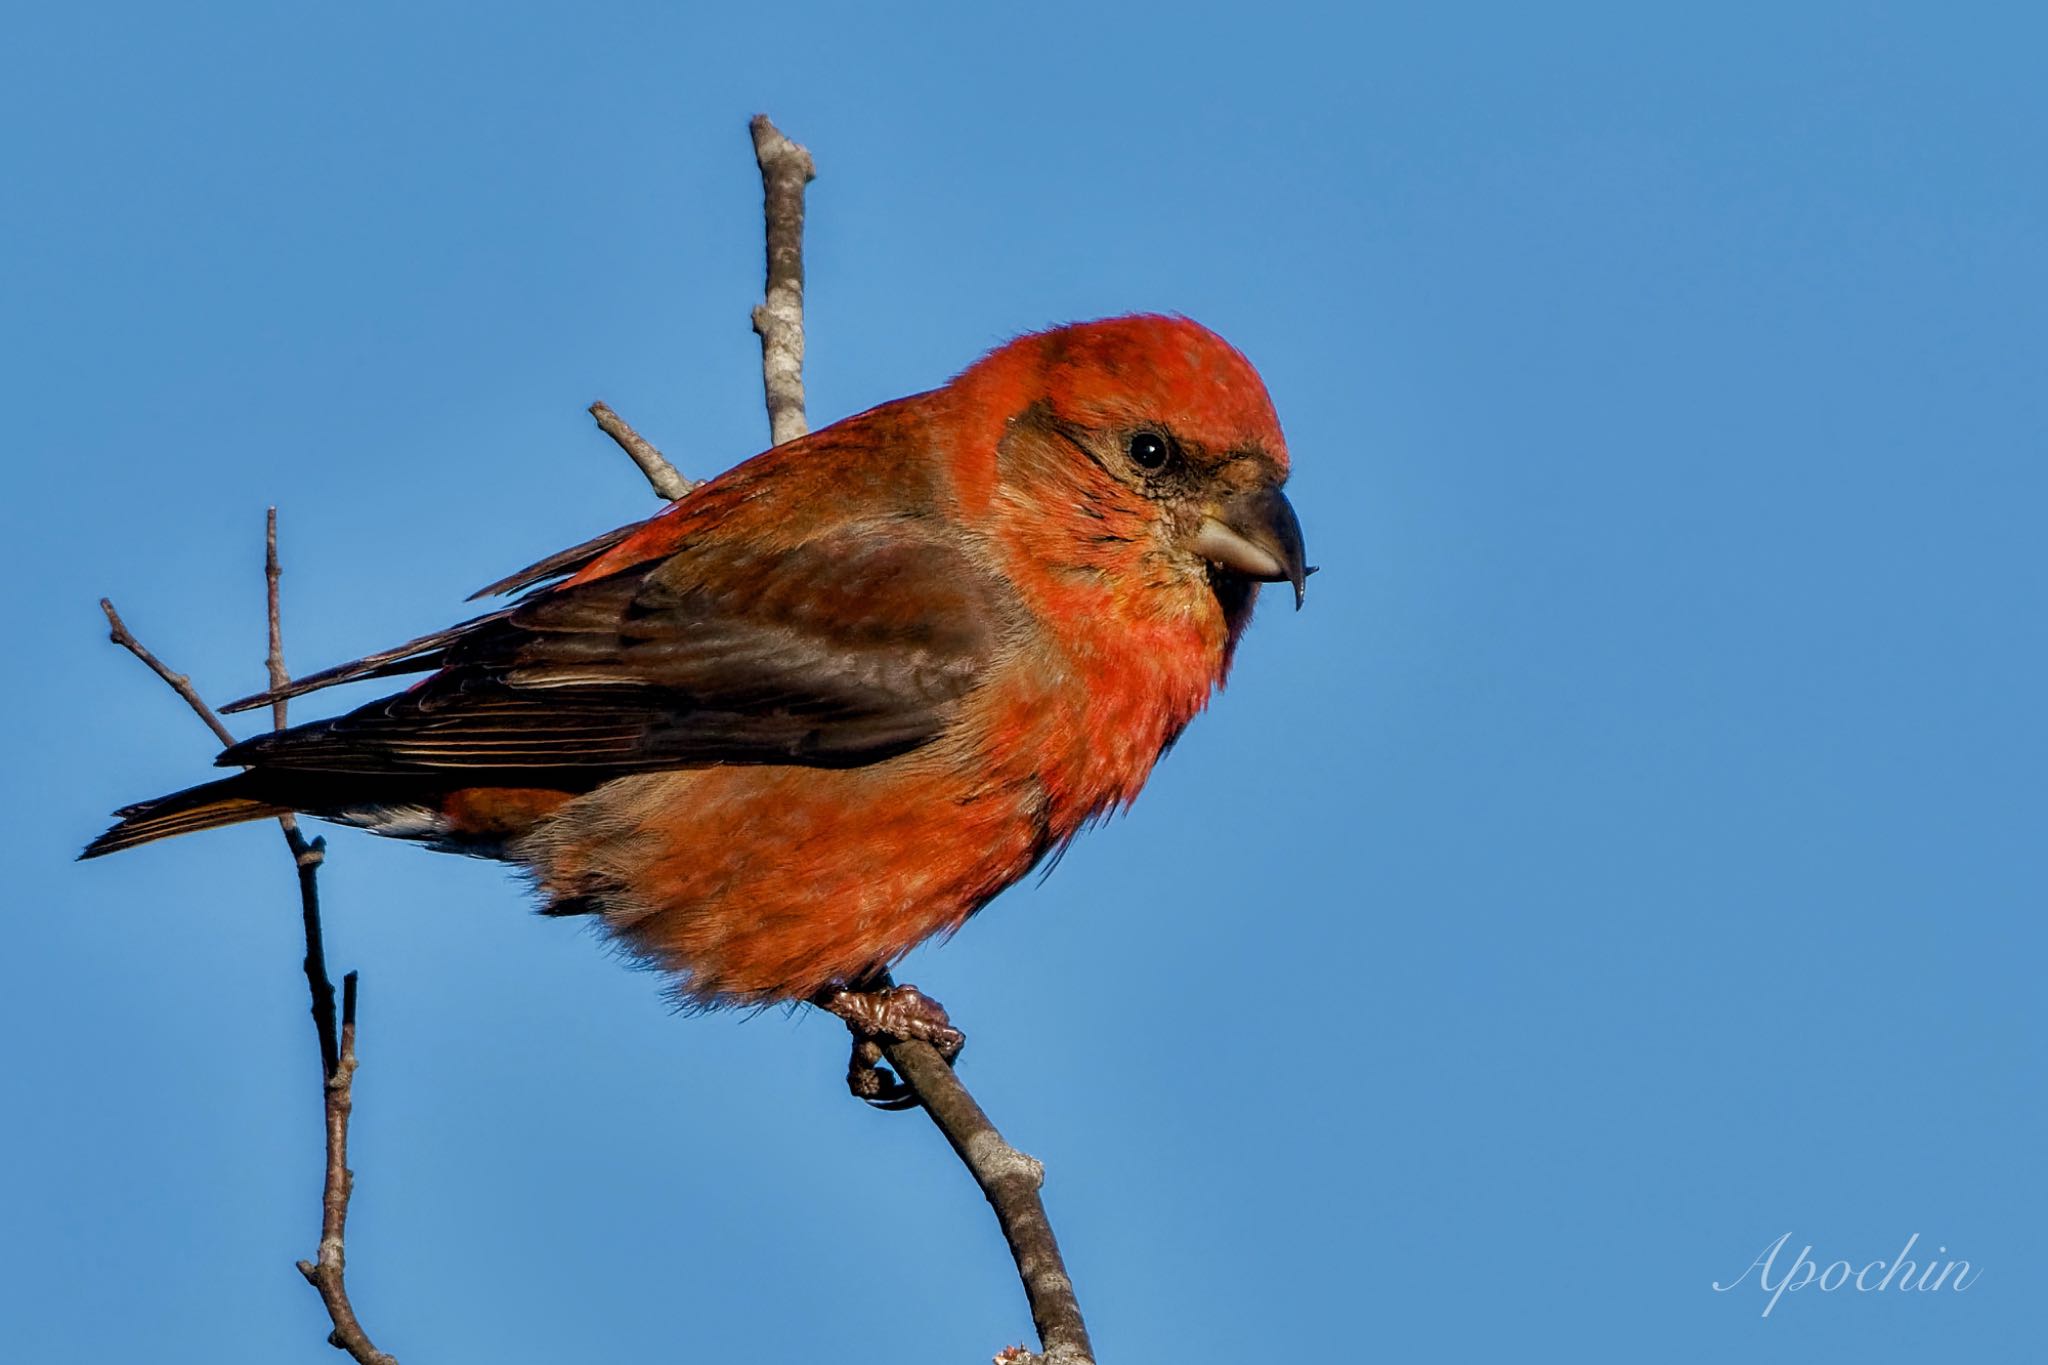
column 1149, row 450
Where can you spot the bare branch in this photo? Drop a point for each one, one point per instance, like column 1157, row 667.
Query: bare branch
column 306, row 856
column 1010, row 1181
column 325, row 1274
column 785, row 169
column 273, row 658
column 118, row 632
column 662, row 476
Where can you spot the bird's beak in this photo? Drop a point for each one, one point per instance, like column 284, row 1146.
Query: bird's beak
column 1256, row 534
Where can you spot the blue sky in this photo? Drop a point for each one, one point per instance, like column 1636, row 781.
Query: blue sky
column 1633, row 853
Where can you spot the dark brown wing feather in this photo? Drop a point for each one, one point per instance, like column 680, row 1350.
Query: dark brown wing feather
column 560, row 564
column 839, row 651
column 414, row 656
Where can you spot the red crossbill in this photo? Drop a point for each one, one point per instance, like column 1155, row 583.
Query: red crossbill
column 833, row 701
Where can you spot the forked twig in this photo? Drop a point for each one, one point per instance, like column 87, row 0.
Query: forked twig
column 325, row 1272
column 337, row 1043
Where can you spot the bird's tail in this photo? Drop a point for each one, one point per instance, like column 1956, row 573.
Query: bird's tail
column 229, row 801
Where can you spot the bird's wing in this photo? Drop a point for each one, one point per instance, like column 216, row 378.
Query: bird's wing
column 836, row 651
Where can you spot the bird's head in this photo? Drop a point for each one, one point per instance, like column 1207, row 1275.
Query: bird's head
column 1142, row 450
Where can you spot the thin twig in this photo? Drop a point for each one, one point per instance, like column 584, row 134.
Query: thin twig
column 785, row 169
column 325, row 1275
column 1010, row 1180
column 306, row 856
column 662, row 476
column 118, row 632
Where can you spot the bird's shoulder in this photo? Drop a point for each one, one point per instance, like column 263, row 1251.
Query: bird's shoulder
column 876, row 469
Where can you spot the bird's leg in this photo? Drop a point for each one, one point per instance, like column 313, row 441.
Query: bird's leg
column 877, row 1011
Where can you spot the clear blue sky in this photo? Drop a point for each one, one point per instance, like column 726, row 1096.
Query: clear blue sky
column 1634, row 852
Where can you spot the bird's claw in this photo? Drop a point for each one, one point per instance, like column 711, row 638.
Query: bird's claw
column 869, row 1080
column 884, row 1013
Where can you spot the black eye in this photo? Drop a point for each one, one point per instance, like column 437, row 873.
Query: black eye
column 1149, row 450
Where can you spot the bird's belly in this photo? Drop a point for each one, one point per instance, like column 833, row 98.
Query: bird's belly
column 758, row 884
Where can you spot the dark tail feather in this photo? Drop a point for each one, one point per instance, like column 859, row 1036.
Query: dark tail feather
column 226, row 802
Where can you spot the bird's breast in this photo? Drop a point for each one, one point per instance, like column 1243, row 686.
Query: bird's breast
column 1091, row 713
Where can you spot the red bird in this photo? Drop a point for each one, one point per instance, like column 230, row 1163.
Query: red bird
column 834, row 700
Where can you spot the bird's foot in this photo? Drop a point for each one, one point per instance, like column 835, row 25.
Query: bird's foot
column 878, row 1012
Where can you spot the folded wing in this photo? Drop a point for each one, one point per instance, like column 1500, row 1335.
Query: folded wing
column 838, row 651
